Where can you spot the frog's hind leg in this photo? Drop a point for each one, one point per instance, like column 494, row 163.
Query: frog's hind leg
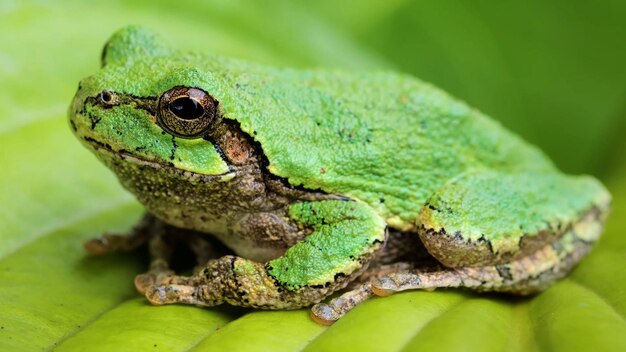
column 512, row 233
column 329, row 312
column 527, row 275
column 542, row 262
column 524, row 276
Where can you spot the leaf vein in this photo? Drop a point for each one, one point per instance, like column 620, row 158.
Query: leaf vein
column 84, row 325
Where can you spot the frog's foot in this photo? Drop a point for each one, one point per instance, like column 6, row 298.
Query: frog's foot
column 328, row 313
column 231, row 279
column 395, row 282
column 160, row 256
column 160, row 274
column 125, row 243
column 185, row 289
column 153, row 277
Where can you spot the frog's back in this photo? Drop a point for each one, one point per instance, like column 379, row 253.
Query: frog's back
column 389, row 140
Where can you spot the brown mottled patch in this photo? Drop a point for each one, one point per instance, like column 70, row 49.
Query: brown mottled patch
column 236, row 149
column 531, row 244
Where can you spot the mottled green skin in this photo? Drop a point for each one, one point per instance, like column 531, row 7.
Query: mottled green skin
column 391, row 143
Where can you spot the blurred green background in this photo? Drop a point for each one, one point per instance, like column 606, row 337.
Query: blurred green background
column 551, row 71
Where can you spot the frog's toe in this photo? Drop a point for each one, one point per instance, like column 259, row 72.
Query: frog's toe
column 151, row 278
column 143, row 282
column 111, row 242
column 167, row 294
column 383, row 287
column 391, row 283
column 328, row 313
column 156, row 295
column 324, row 314
column 97, row 246
column 387, row 285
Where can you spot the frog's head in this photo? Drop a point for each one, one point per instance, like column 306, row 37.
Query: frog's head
column 150, row 105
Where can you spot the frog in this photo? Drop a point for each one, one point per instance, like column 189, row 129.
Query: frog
column 294, row 185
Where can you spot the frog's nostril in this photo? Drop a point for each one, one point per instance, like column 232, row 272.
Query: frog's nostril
column 108, row 97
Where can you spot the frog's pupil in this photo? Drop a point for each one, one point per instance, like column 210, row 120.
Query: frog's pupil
column 186, row 108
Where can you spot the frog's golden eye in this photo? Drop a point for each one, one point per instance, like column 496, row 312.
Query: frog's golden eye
column 186, row 112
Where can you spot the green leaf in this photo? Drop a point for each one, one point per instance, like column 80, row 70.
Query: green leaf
column 54, row 194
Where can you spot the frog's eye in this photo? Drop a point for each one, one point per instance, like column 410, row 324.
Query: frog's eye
column 186, row 112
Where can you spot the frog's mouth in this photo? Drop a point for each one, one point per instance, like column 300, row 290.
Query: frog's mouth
column 107, row 154
column 101, row 147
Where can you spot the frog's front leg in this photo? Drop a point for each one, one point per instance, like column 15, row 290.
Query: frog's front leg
column 149, row 230
column 139, row 235
column 345, row 236
column 161, row 240
column 160, row 256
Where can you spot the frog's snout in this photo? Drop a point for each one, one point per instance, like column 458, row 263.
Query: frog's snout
column 78, row 115
column 78, row 101
column 74, row 110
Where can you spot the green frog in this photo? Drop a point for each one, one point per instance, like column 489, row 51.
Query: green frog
column 322, row 180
